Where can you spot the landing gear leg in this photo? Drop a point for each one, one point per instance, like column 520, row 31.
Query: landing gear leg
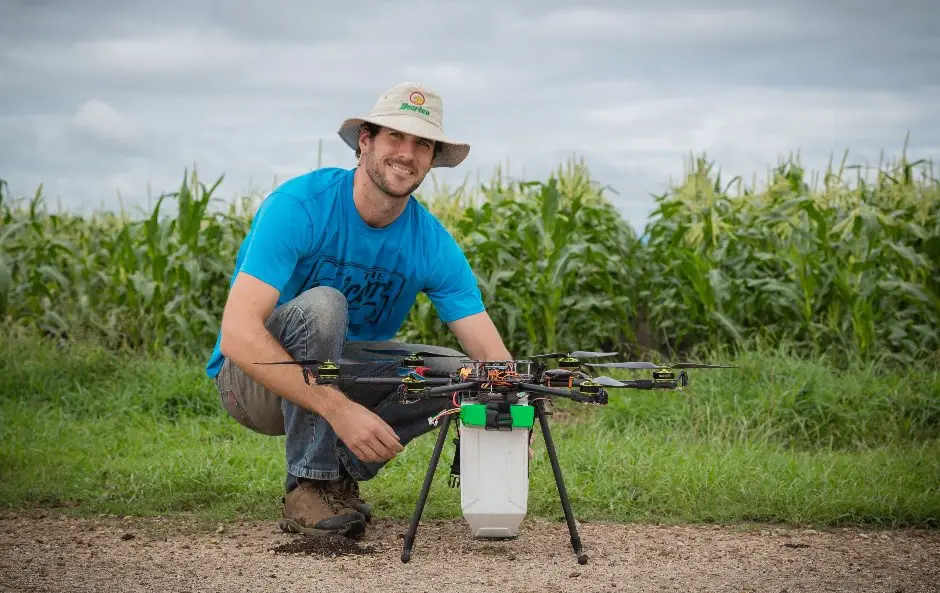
column 560, row 482
column 435, row 457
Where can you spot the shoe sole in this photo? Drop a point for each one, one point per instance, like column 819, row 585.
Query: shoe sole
column 349, row 530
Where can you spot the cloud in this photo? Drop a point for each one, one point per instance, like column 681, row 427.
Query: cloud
column 101, row 121
column 104, row 97
column 651, row 27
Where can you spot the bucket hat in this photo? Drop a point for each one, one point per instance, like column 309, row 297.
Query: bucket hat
column 413, row 109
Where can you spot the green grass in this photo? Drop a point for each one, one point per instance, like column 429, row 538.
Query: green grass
column 781, row 439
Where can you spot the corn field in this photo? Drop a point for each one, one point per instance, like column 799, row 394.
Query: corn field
column 847, row 268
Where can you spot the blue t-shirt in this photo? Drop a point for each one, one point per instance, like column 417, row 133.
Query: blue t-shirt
column 308, row 233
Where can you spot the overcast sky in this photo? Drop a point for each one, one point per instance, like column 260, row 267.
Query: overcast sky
column 106, row 97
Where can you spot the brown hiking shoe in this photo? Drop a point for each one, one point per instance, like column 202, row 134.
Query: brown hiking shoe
column 349, row 490
column 318, row 508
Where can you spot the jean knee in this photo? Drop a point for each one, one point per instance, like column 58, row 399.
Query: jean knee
column 325, row 307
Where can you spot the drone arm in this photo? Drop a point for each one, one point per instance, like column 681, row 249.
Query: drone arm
column 546, row 390
column 650, row 384
column 432, row 374
column 570, row 394
column 388, row 380
column 451, row 388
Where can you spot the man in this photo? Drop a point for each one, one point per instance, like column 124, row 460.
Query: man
column 331, row 266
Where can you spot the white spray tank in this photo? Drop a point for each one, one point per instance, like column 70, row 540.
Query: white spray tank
column 494, row 465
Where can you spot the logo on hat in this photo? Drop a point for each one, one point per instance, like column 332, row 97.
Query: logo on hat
column 416, row 98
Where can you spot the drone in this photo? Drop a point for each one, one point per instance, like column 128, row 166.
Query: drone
column 497, row 403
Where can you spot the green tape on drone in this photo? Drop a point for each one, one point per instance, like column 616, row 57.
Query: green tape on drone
column 478, row 415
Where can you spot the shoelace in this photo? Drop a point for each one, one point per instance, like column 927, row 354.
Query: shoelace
column 330, row 494
column 336, row 493
column 348, row 487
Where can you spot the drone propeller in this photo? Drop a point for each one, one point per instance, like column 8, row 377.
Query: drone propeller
column 607, row 382
column 409, row 353
column 313, row 361
column 650, row 365
column 327, row 371
column 575, row 354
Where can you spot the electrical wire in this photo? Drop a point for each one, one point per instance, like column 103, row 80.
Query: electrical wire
column 434, row 419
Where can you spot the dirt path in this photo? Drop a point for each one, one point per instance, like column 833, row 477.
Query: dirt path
column 64, row 554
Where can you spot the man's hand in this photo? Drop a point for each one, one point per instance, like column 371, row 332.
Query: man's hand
column 369, row 437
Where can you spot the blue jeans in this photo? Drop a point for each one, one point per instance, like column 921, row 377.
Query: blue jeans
column 313, row 325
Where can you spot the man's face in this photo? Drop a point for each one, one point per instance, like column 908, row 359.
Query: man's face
column 396, row 162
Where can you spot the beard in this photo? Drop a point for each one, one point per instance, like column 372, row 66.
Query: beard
column 378, row 172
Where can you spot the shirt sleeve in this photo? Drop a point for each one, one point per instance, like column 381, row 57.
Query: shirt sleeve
column 281, row 233
column 452, row 286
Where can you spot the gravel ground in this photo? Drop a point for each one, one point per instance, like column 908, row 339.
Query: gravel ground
column 40, row 552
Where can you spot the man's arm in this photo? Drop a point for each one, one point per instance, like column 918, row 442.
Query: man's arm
column 246, row 340
column 479, row 337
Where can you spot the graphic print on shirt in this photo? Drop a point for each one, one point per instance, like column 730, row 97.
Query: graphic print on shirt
column 371, row 292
